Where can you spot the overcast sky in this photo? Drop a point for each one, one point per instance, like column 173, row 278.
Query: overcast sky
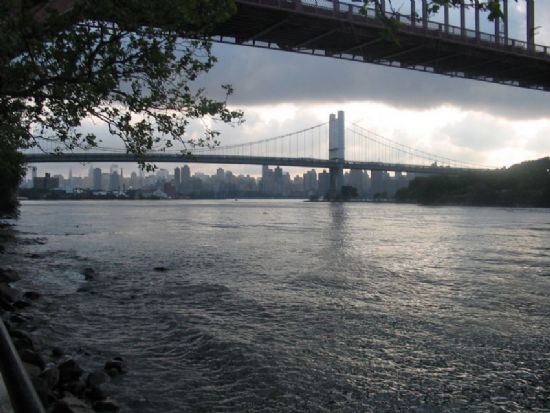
column 462, row 119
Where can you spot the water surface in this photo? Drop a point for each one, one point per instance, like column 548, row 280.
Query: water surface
column 279, row 306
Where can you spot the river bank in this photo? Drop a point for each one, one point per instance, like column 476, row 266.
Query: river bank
column 62, row 385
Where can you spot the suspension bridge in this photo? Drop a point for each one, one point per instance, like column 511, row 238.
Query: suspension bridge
column 329, row 145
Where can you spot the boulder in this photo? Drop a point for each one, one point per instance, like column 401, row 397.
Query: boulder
column 70, row 404
column 32, row 357
column 50, row 376
column 21, row 304
column 96, row 378
column 94, row 394
column 89, row 274
column 32, row 370
column 17, row 319
column 115, row 366
column 7, row 275
column 31, row 295
column 69, row 371
column 6, row 305
column 57, row 352
column 76, row 387
column 107, row 405
column 25, row 340
column 9, row 293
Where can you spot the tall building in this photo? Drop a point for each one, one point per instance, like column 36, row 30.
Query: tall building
column 324, row 183
column 96, row 186
column 114, row 181
column 134, row 181
column 185, row 173
column 379, row 182
column 177, row 179
column 47, row 182
column 310, row 182
column 34, row 174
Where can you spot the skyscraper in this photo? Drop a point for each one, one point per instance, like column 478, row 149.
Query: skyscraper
column 177, row 179
column 96, row 186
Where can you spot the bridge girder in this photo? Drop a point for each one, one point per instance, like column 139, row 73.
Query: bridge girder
column 341, row 32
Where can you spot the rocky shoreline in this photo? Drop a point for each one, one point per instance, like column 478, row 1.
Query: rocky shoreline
column 58, row 378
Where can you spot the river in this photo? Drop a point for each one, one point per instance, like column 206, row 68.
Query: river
column 288, row 306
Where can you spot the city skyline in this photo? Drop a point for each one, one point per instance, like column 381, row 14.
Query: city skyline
column 181, row 182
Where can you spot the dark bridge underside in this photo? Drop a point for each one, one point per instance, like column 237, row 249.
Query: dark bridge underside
column 300, row 26
column 242, row 160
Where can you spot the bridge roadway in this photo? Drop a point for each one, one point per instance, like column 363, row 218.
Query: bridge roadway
column 243, row 160
column 340, row 30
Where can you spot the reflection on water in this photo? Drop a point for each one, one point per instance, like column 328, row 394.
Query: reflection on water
column 288, row 306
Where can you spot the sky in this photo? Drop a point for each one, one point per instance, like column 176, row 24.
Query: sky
column 467, row 120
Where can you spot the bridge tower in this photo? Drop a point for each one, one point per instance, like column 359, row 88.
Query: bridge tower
column 336, row 152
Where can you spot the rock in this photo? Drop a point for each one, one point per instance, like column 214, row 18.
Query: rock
column 17, row 319
column 24, row 339
column 115, row 366
column 160, row 269
column 70, row 404
column 43, row 391
column 5, row 305
column 32, row 370
column 69, row 371
column 21, row 304
column 76, row 387
column 107, row 405
column 9, row 293
column 96, row 378
column 50, row 376
column 31, row 295
column 94, row 394
column 32, row 357
column 89, row 274
column 7, row 275
column 57, row 352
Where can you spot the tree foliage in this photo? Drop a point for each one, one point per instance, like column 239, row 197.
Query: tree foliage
column 524, row 184
column 127, row 63
column 130, row 64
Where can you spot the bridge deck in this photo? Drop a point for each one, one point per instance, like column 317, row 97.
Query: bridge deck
column 242, row 160
column 342, row 31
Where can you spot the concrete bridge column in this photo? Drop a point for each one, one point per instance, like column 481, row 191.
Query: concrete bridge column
column 425, row 14
column 531, row 24
column 336, row 152
column 446, row 17
column 505, row 20
column 476, row 6
column 462, row 19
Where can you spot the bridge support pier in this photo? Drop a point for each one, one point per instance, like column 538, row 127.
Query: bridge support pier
column 336, row 152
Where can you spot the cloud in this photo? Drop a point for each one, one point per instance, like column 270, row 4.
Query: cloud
column 479, row 132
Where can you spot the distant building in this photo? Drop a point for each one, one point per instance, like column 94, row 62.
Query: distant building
column 114, row 181
column 96, row 186
column 324, row 183
column 46, row 182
